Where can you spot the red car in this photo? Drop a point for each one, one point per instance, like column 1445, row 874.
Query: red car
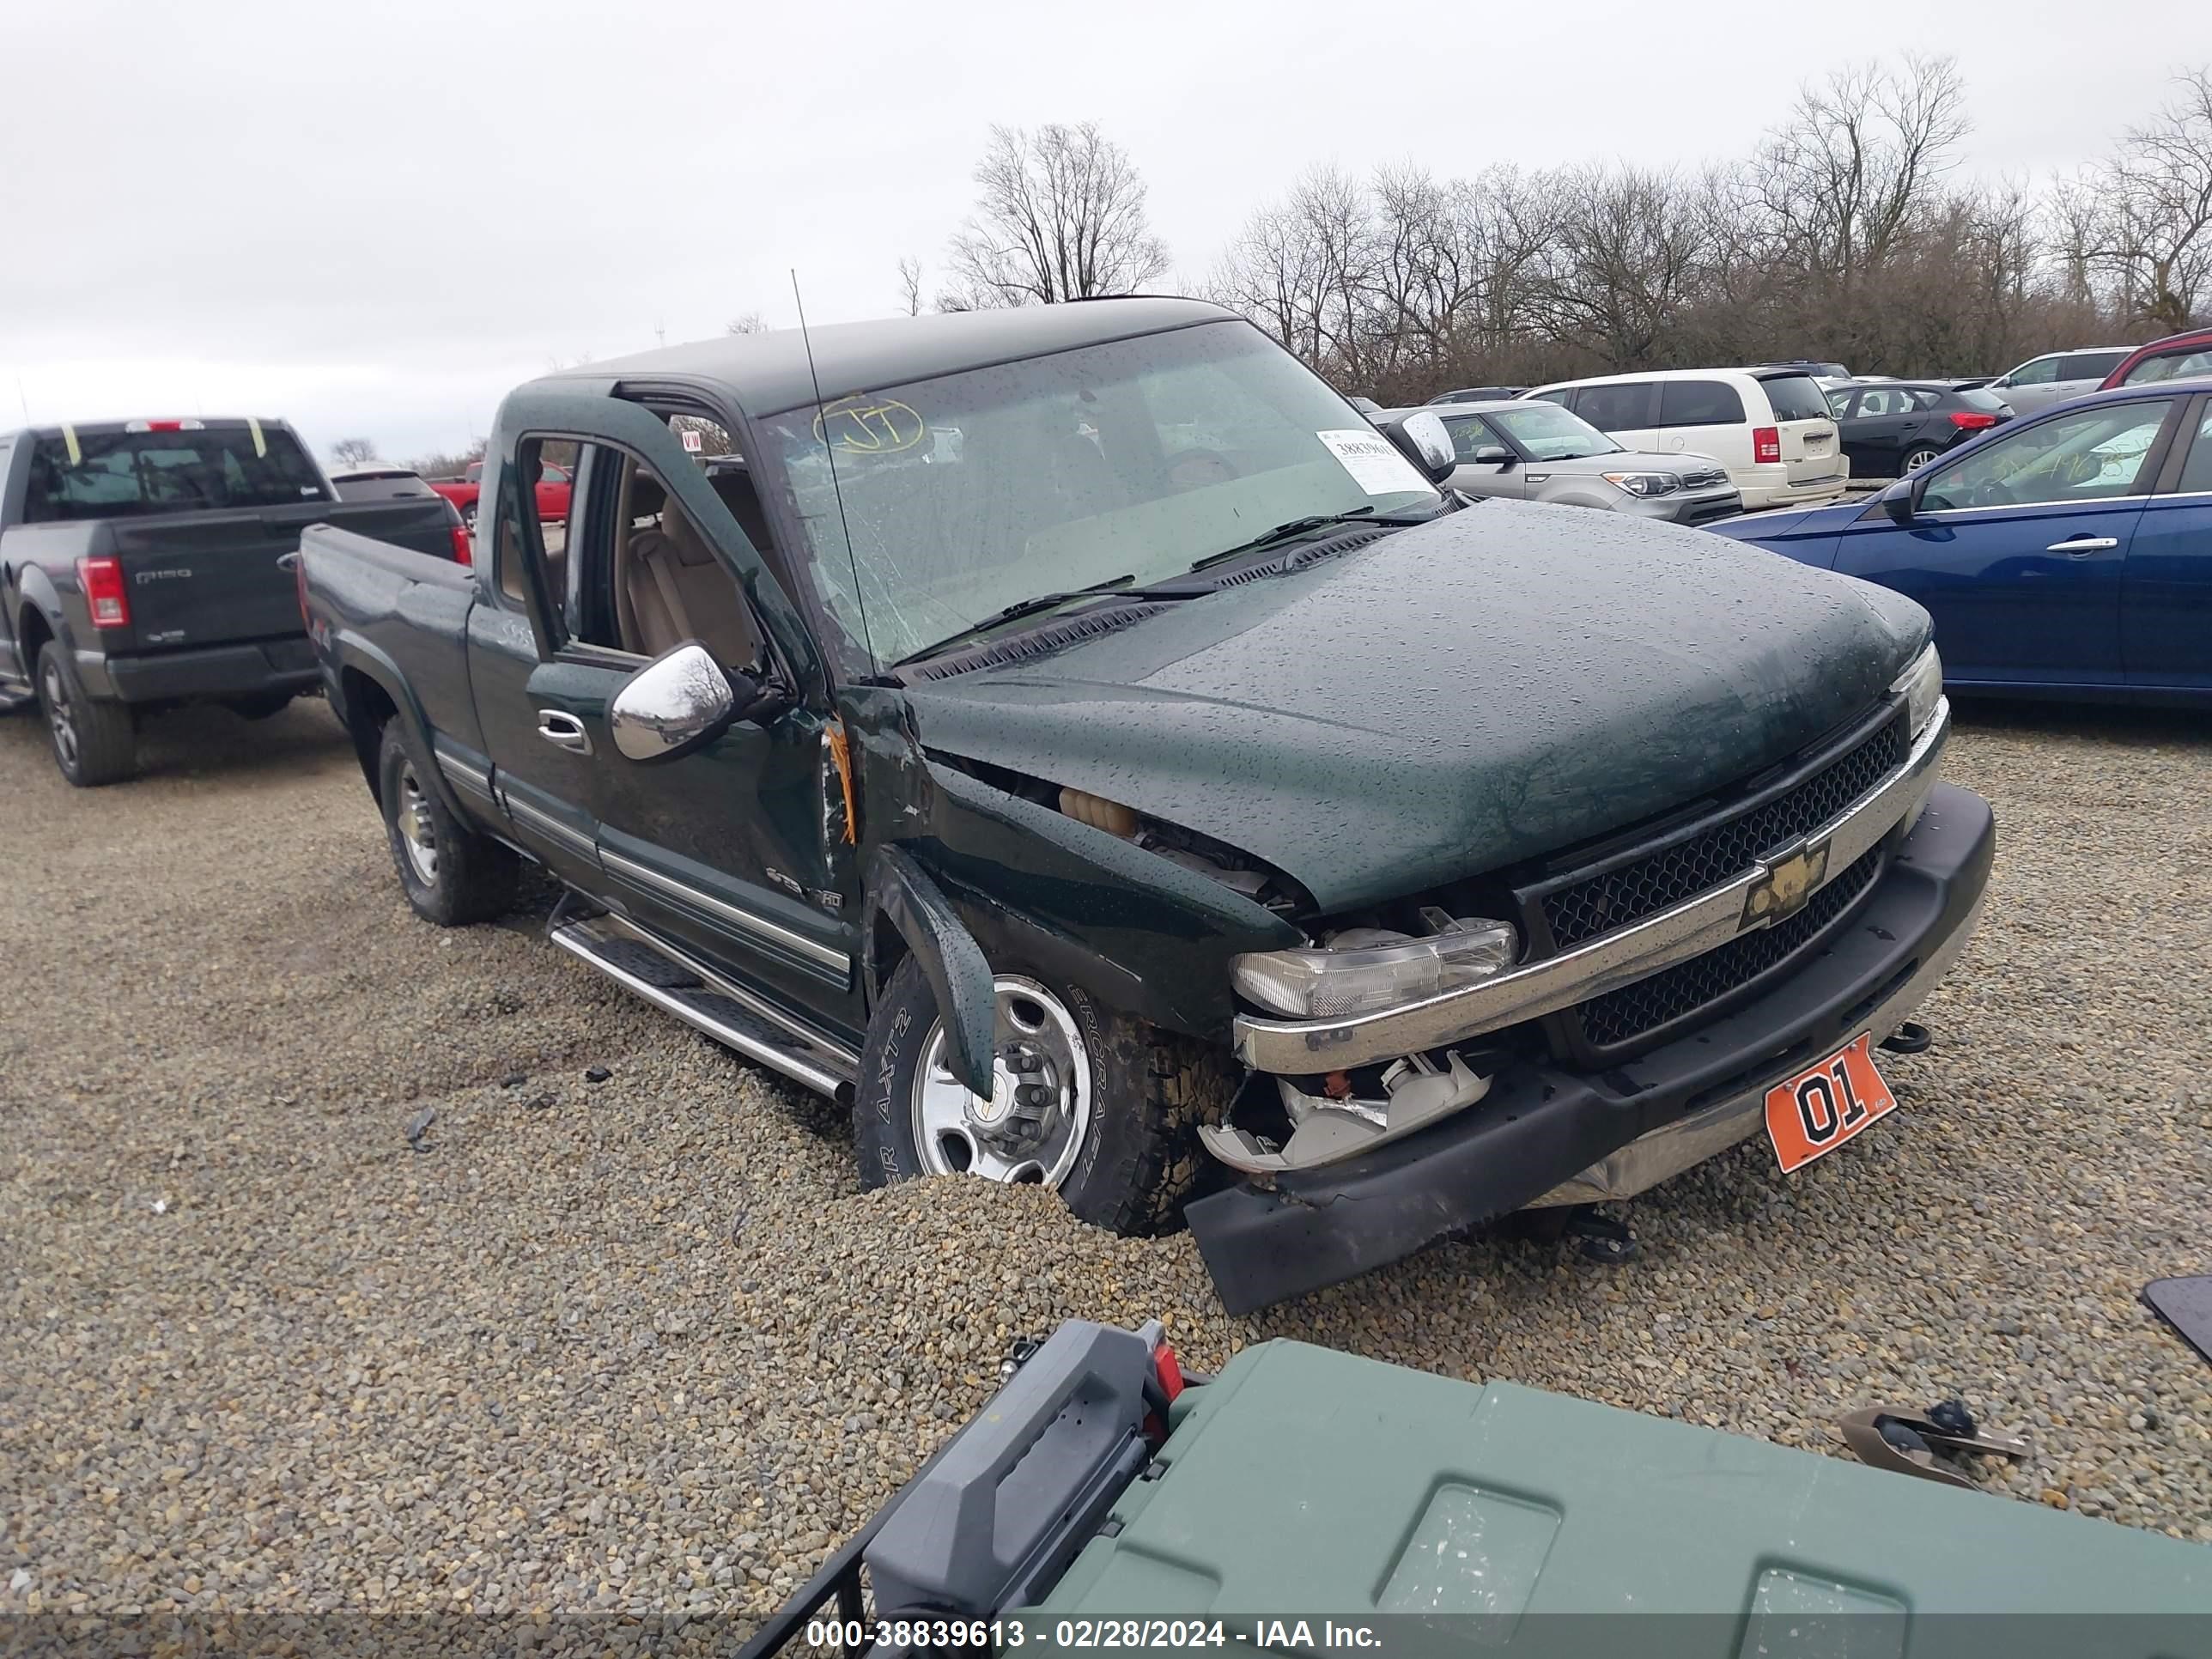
column 554, row 484
column 2178, row 356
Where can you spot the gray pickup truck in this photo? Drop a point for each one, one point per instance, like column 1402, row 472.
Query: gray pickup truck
column 145, row 564
column 1076, row 738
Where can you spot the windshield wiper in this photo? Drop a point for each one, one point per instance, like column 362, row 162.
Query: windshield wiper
column 1364, row 514
column 1015, row 613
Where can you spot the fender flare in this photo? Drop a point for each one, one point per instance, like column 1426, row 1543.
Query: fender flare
column 35, row 592
column 350, row 650
column 958, row 975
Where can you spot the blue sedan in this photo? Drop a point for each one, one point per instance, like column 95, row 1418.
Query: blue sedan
column 2069, row 553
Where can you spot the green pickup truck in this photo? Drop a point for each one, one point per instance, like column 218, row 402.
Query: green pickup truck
column 1306, row 1500
column 1076, row 737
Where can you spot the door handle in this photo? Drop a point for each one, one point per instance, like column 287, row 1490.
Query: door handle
column 564, row 730
column 2076, row 547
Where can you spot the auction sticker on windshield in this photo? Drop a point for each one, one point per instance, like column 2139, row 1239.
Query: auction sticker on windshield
column 1373, row 461
column 1824, row 1106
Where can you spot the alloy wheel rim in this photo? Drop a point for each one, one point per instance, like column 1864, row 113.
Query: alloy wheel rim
column 1031, row 1128
column 418, row 836
column 1918, row 458
column 57, row 716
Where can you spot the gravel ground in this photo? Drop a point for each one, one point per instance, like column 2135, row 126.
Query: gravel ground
column 641, row 1344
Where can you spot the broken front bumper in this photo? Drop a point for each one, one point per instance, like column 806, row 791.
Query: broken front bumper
column 1548, row 1135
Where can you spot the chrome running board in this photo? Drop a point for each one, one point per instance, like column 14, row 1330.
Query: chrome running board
column 678, row 983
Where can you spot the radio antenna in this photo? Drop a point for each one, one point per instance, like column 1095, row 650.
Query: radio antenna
column 830, row 453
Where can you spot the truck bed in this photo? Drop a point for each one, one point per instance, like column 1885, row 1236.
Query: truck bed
column 407, row 608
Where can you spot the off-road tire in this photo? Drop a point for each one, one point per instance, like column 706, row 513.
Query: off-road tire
column 102, row 746
column 476, row 878
column 1150, row 1091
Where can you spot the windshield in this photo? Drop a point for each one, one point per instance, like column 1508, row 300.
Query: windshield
column 1546, row 432
column 1135, row 459
column 120, row 474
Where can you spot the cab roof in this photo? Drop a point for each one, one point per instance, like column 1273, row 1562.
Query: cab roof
column 767, row 374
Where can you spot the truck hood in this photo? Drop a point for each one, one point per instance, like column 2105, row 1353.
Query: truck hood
column 1502, row 682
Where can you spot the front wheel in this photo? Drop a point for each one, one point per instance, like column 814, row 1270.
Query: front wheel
column 93, row 741
column 1918, row 457
column 1098, row 1105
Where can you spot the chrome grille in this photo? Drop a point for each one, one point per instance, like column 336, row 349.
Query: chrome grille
column 1580, row 910
column 1639, row 1009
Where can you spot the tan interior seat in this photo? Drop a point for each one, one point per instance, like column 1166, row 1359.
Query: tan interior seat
column 671, row 587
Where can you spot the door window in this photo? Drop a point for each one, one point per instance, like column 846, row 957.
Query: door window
column 2095, row 455
column 2043, row 371
column 2174, row 366
column 2091, row 365
column 1699, row 403
column 1468, row 433
column 1883, row 401
column 527, row 538
column 647, row 578
column 1616, row 408
column 2196, row 471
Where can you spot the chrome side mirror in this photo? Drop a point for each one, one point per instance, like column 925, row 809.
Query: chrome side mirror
column 1423, row 439
column 676, row 702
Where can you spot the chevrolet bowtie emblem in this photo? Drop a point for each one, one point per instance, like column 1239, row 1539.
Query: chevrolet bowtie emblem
column 1788, row 881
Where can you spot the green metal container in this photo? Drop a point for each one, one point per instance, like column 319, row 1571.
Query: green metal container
column 1308, row 1484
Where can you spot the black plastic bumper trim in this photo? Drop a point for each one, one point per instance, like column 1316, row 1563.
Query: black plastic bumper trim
column 1540, row 1126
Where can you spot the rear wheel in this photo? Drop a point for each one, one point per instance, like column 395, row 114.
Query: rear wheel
column 451, row 875
column 94, row 741
column 469, row 518
column 1098, row 1105
column 1918, row 457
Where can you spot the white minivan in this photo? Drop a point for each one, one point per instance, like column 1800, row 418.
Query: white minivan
column 1770, row 428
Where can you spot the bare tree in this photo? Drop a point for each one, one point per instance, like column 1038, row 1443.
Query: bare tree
column 2142, row 223
column 910, row 276
column 751, row 323
column 1861, row 155
column 352, row 452
column 1061, row 216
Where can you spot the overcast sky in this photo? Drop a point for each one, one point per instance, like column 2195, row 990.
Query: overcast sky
column 375, row 219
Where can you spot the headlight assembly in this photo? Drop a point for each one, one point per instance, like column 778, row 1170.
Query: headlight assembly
column 1645, row 483
column 1364, row 970
column 1923, row 686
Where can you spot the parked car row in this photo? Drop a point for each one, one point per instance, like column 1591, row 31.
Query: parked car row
column 1542, row 452
column 2067, row 552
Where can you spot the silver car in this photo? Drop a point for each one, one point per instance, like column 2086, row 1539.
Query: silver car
column 2055, row 376
column 1538, row 452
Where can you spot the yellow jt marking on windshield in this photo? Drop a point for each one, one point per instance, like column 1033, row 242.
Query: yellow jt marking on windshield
column 869, row 426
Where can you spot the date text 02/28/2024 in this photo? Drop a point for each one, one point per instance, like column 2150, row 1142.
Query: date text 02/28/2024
column 1089, row 1634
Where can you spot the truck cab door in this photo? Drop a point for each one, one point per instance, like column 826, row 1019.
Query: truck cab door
column 733, row 850
column 540, row 760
